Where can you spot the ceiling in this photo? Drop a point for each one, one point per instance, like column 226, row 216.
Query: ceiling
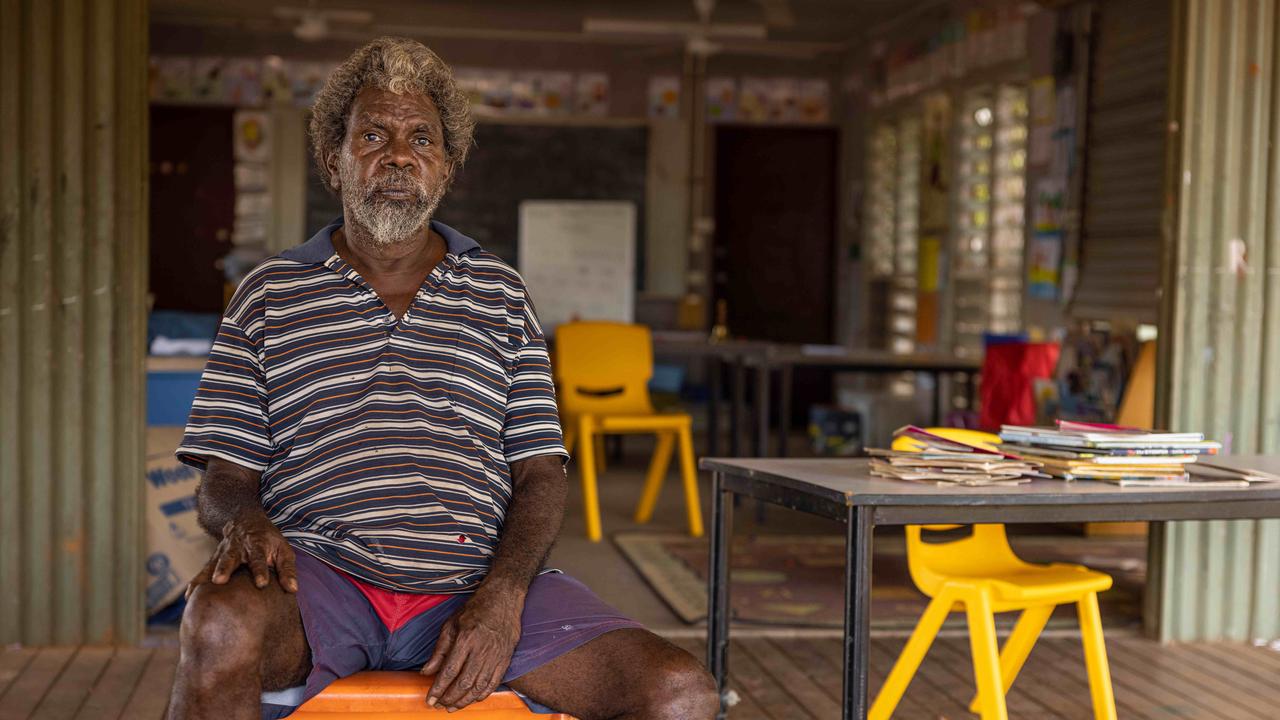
column 820, row 25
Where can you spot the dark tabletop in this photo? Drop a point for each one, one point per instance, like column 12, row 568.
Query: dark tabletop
column 849, row 481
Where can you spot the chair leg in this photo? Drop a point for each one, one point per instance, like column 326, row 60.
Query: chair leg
column 601, row 453
column 570, row 434
column 587, row 466
column 1016, row 649
column 986, row 656
column 904, row 668
column 1095, row 658
column 689, row 474
column 657, row 474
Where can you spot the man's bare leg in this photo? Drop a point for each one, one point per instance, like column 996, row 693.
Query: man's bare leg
column 237, row 640
column 622, row 675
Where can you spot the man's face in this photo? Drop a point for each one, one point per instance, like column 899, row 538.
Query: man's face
column 392, row 167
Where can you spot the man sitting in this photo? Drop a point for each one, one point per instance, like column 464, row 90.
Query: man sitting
column 383, row 461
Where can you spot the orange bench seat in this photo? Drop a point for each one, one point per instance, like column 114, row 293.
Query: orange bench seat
column 381, row 695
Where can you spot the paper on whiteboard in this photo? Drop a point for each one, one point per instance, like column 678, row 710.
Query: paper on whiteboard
column 578, row 259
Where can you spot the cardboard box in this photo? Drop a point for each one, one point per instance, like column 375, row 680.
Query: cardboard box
column 177, row 548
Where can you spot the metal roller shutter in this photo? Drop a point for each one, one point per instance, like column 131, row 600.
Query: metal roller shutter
column 1124, row 163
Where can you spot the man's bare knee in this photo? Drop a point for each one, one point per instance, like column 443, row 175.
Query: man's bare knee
column 223, row 625
column 679, row 687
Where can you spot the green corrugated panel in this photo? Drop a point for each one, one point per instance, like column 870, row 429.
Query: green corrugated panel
column 72, row 303
column 1221, row 579
column 10, row 326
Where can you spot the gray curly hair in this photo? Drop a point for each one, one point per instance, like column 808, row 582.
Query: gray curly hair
column 402, row 66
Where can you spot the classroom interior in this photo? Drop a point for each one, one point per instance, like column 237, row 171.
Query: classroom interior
column 832, row 219
column 816, row 178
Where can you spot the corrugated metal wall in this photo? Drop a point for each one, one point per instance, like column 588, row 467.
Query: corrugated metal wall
column 1124, row 162
column 73, row 193
column 1220, row 364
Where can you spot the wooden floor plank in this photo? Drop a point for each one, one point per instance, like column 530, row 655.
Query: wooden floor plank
column 68, row 693
column 805, row 654
column 1020, row 702
column 770, row 697
column 1139, row 689
column 107, row 699
column 1133, row 698
column 913, row 703
column 1244, row 661
column 1221, row 680
column 1164, row 668
column 1044, row 679
column 26, row 692
column 796, row 682
column 933, row 690
column 12, row 662
column 151, row 695
column 1065, row 659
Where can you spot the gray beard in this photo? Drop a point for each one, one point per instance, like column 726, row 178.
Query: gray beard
column 388, row 222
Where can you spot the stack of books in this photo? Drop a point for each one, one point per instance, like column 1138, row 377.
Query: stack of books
column 1112, row 453
column 940, row 461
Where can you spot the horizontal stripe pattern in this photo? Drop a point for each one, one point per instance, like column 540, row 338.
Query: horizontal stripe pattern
column 384, row 446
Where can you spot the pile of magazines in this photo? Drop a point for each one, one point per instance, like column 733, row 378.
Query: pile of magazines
column 937, row 460
column 1115, row 454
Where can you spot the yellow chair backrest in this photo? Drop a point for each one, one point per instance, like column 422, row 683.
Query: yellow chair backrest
column 603, row 368
column 984, row 550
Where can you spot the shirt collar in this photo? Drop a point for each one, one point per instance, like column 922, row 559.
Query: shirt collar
column 319, row 248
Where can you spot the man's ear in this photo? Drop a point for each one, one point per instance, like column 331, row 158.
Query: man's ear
column 331, row 164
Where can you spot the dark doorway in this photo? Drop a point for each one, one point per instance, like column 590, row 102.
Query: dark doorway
column 775, row 212
column 192, row 205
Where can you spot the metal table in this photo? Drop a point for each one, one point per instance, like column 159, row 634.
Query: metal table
column 843, row 489
column 785, row 358
column 764, row 358
column 734, row 353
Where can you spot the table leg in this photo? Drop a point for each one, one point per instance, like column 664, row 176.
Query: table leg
column 764, row 379
column 718, row 588
column 736, row 409
column 760, row 441
column 857, row 608
column 784, row 408
column 713, row 405
column 937, row 399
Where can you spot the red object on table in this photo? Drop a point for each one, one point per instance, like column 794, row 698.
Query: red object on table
column 1009, row 372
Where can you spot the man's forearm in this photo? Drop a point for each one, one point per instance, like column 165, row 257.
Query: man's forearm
column 227, row 492
column 533, row 521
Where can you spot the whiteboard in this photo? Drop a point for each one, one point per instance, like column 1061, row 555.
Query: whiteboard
column 578, row 259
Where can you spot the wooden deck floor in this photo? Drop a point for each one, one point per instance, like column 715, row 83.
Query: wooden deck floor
column 776, row 679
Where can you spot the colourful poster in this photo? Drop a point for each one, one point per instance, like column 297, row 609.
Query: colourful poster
column 252, row 140
column 207, row 78
column 753, row 99
column 591, row 94
column 814, row 101
column 172, row 78
column 664, row 96
column 1043, row 261
column 242, row 82
column 556, row 93
column 722, row 99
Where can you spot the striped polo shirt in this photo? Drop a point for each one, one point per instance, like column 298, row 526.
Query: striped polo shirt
column 384, row 445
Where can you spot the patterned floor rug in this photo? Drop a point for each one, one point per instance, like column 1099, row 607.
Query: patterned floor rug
column 797, row 580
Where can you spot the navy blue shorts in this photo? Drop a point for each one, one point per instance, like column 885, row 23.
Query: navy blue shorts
column 347, row 636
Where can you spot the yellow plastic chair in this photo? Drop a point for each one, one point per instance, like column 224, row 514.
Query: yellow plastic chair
column 981, row 575
column 602, row 370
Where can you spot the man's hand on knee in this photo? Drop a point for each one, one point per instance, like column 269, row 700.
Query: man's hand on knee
column 255, row 542
column 474, row 649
